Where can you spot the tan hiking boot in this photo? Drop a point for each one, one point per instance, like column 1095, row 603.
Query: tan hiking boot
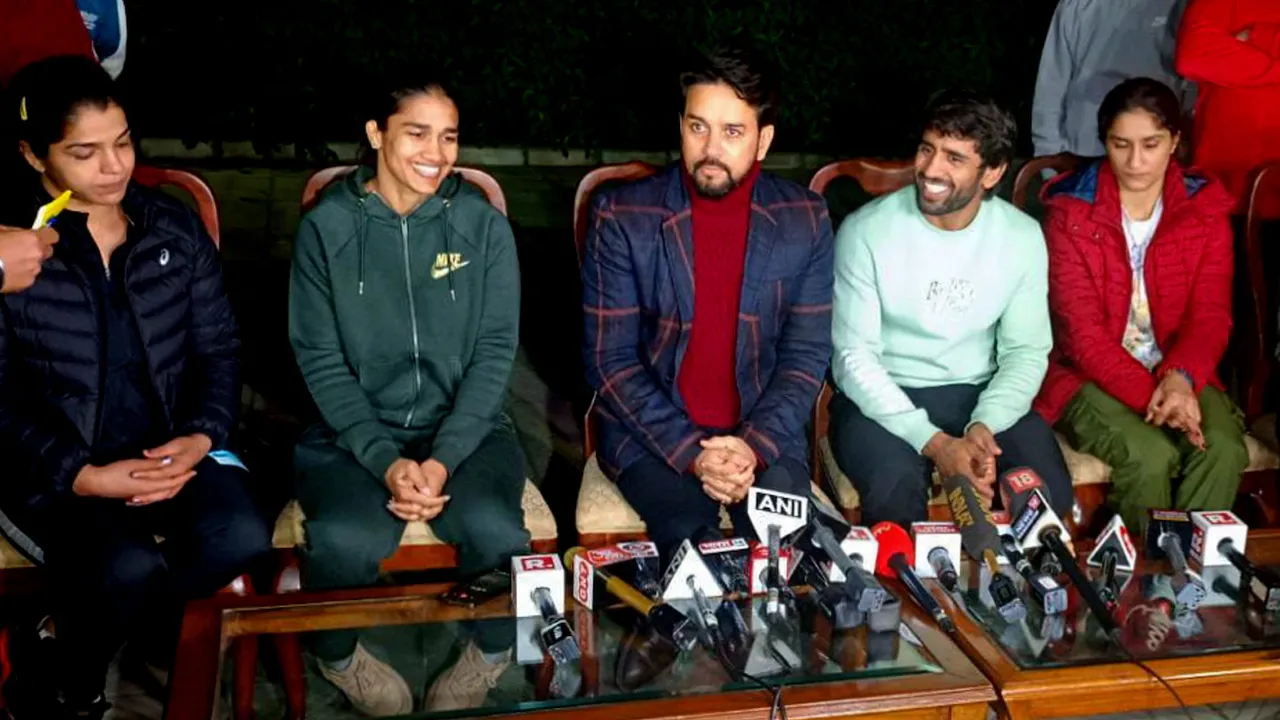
column 466, row 684
column 372, row 686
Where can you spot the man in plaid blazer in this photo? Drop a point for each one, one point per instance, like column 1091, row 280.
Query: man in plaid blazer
column 707, row 293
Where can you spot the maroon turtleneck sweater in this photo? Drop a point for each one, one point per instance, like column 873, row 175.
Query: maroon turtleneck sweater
column 709, row 372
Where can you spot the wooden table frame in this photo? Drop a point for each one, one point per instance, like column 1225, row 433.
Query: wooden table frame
column 1106, row 688
column 959, row 692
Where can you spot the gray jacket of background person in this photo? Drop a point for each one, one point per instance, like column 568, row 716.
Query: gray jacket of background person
column 1092, row 46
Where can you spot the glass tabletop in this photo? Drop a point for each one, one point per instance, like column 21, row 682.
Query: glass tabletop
column 1151, row 607
column 498, row 665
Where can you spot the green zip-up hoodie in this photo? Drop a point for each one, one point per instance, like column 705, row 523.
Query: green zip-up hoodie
column 405, row 328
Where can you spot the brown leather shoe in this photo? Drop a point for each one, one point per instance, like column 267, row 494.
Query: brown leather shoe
column 642, row 658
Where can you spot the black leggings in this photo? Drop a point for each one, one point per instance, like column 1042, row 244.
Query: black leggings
column 110, row 578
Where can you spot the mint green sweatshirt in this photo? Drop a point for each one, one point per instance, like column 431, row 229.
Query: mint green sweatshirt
column 918, row 307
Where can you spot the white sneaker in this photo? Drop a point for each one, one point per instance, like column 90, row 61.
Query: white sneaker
column 372, row 686
column 466, row 684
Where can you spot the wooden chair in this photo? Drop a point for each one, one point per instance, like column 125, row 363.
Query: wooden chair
column 206, row 205
column 1062, row 162
column 1258, row 346
column 420, row 549
column 875, row 176
column 322, row 179
column 603, row 516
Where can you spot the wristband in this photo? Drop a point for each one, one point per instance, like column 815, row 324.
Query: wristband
column 1186, row 375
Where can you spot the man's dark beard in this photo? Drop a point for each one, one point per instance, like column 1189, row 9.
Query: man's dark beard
column 959, row 198
column 714, row 192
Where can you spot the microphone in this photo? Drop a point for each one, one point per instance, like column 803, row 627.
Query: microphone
column 940, row 561
column 1219, row 539
column 895, row 547
column 1168, row 534
column 1107, row 588
column 787, row 513
column 937, row 547
column 772, row 576
column 1116, row 543
column 668, row 622
column 859, row 586
column 1037, row 525
column 537, row 591
column 1018, row 486
column 1049, row 595
column 978, row 534
column 556, row 635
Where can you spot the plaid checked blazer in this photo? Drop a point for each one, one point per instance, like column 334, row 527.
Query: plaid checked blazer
column 637, row 278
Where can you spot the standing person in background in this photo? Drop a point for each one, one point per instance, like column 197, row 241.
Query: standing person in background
column 1093, row 45
column 105, row 21
column 32, row 30
column 1232, row 48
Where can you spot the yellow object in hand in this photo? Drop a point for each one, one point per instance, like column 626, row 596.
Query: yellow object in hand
column 49, row 211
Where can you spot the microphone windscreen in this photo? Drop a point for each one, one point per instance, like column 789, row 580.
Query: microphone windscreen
column 977, row 532
column 893, row 540
column 1016, row 486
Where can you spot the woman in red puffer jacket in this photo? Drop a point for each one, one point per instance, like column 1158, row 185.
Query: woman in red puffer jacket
column 1140, row 266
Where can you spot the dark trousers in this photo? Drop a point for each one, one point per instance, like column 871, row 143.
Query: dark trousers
column 674, row 507
column 893, row 480
column 349, row 531
column 110, row 579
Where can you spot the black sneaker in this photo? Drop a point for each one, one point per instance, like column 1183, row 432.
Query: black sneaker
column 27, row 672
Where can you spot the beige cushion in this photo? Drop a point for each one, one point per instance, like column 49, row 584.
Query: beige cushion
column 537, row 518
column 1084, row 469
column 10, row 558
column 602, row 509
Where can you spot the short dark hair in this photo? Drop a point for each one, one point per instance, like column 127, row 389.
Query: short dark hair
column 1140, row 93
column 45, row 96
column 741, row 70
column 389, row 101
column 970, row 116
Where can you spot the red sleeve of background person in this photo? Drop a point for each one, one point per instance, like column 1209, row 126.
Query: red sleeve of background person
column 1238, row 110
column 36, row 29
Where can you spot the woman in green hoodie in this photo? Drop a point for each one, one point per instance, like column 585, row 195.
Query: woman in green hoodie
column 404, row 316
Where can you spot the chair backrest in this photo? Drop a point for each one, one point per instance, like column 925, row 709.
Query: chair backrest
column 206, row 205
column 624, row 172
column 1264, row 195
column 1062, row 162
column 876, row 177
column 321, row 179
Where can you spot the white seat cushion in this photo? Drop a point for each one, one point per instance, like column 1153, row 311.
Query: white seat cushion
column 537, row 518
column 602, row 509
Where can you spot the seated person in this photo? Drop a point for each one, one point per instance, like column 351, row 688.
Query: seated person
column 941, row 326
column 1140, row 288
column 707, row 292
column 119, row 374
column 404, row 316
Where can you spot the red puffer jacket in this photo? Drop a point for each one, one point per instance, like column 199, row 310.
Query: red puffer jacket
column 1188, row 274
column 1238, row 111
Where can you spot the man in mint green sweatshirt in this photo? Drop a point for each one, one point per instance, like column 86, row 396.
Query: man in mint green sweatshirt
column 941, row 329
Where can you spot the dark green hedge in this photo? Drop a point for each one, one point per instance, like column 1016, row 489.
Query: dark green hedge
column 568, row 73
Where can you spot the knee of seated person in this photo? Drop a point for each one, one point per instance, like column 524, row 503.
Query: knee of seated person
column 345, row 542
column 1226, row 445
column 240, row 540
column 133, row 568
column 1149, row 460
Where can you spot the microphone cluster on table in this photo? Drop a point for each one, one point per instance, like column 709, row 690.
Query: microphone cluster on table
column 1022, row 566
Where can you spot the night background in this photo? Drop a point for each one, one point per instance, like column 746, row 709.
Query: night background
column 255, row 96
